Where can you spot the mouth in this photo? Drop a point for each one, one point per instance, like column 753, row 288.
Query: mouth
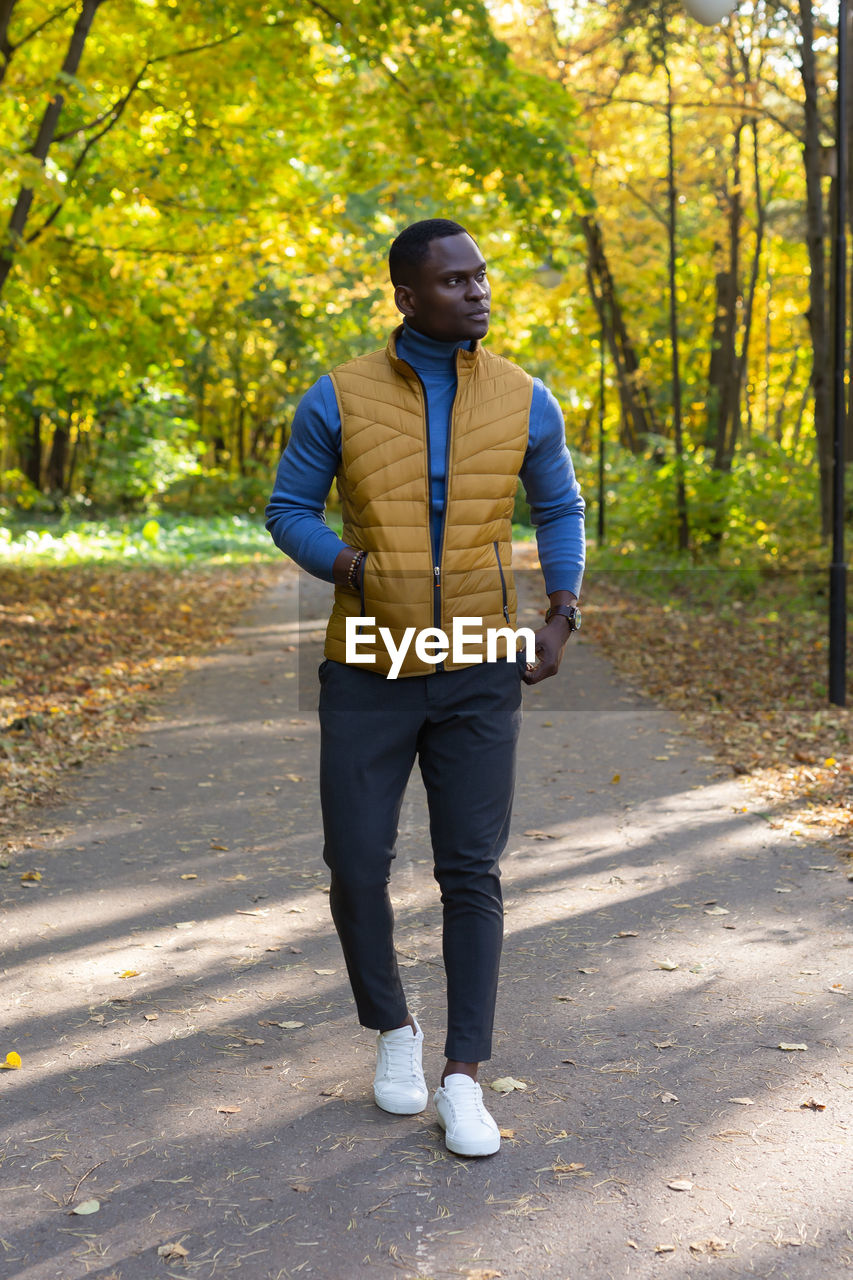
column 479, row 315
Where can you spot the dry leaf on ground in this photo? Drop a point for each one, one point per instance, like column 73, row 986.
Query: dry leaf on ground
column 86, row 1207
column 506, row 1084
column 172, row 1250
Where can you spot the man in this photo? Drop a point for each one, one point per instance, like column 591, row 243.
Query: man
column 427, row 440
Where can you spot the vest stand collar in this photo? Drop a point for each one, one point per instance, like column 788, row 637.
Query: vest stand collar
column 466, row 361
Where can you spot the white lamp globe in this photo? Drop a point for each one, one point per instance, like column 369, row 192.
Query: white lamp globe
column 708, row 12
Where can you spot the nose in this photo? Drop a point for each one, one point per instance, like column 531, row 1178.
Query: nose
column 478, row 289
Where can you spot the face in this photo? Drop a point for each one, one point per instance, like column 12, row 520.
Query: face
column 450, row 298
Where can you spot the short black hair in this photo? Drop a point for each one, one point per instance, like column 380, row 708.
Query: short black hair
column 411, row 248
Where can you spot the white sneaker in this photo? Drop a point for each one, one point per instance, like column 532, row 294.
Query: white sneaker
column 469, row 1130
column 399, row 1085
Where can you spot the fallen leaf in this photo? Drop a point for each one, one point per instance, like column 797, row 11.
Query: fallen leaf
column 248, row 1041
column 626, row 933
column 793, row 1048
column 185, row 924
column 173, row 1250
column 223, row 848
column 231, row 879
column 325, row 971
column 587, row 971
column 668, row 1097
column 188, row 875
column 294, row 777
column 228, row 1110
column 129, row 973
column 743, row 1102
column 680, row 1184
column 86, row 1206
column 299, row 1186
column 712, row 1245
column 663, row 1044
column 506, row 1084
column 507, row 1133
column 263, row 912
column 30, row 876
column 151, row 1017
column 333, row 1091
column 668, row 965
column 632, row 1244
column 813, row 1105
column 716, row 911
column 664, row 1248
column 542, row 835
column 13, row 1061
column 617, row 778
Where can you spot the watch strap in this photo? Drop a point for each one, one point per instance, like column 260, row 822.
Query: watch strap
column 568, row 611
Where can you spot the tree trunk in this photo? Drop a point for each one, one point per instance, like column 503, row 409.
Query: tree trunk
column 55, row 476
column 638, row 415
column 32, row 451
column 6, row 48
column 723, row 379
column 47, row 129
column 683, row 523
column 816, row 244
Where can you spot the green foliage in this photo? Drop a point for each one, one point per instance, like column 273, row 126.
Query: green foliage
column 167, row 540
column 763, row 514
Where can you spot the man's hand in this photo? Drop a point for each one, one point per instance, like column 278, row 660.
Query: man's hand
column 550, row 643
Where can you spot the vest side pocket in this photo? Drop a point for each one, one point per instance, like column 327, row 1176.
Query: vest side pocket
column 503, row 582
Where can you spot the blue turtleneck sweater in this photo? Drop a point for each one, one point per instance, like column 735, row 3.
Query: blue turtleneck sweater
column 295, row 514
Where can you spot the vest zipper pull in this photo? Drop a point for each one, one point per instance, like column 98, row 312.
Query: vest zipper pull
column 437, row 573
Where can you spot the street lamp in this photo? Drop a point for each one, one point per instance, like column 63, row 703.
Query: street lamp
column 709, row 12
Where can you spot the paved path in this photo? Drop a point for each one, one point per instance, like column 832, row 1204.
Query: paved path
column 181, row 927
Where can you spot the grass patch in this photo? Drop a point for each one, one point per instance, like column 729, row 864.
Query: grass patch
column 144, row 540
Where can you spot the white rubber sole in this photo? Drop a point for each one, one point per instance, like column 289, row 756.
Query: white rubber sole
column 487, row 1148
column 401, row 1109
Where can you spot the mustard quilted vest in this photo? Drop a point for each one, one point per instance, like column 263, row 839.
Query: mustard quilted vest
column 384, row 486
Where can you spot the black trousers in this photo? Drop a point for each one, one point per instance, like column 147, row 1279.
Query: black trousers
column 462, row 726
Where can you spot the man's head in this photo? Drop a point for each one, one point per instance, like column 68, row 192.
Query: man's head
column 439, row 279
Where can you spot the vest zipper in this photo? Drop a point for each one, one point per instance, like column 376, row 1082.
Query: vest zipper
column 436, row 570
column 503, row 582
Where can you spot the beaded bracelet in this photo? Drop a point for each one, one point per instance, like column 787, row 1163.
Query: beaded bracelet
column 352, row 571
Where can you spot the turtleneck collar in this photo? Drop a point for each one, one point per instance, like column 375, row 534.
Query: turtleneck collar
column 426, row 353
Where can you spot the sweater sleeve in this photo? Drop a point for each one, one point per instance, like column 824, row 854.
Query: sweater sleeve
column 556, row 505
column 295, row 514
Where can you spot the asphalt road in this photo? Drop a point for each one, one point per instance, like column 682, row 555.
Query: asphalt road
column 190, row 1059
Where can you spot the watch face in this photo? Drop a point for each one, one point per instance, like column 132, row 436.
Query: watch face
column 577, row 620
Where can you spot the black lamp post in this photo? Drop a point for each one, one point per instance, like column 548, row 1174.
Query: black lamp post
column 838, row 568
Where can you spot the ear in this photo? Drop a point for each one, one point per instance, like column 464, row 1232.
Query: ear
column 404, row 299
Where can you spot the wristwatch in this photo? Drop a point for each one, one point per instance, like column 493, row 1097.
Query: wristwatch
column 570, row 612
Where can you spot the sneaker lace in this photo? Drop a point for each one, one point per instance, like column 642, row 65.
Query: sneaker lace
column 468, row 1101
column 400, row 1059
